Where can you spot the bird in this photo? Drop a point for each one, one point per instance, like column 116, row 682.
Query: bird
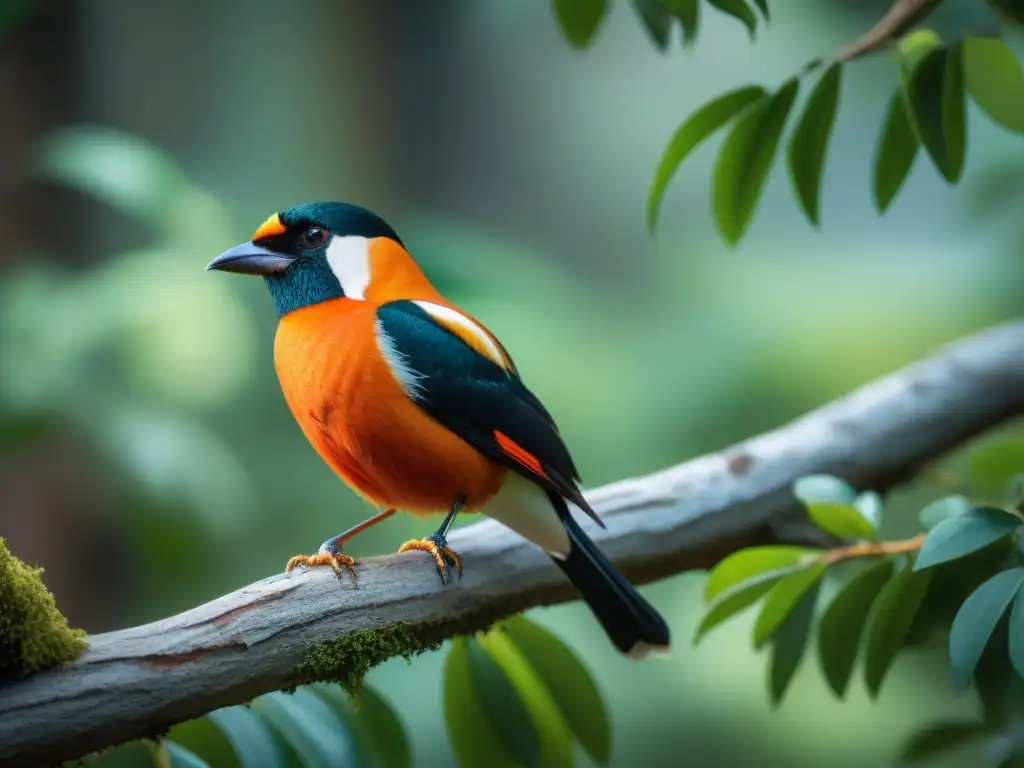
column 418, row 407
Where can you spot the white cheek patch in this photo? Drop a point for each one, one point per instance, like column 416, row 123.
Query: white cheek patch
column 408, row 378
column 349, row 260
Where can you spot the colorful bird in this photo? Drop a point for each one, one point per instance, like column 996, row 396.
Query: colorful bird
column 418, row 407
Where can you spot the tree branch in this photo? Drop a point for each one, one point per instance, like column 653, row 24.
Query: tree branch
column 136, row 681
column 901, row 16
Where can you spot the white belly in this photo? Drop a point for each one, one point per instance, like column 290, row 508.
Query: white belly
column 527, row 510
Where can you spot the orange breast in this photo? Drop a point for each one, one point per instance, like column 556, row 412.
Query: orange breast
column 358, row 419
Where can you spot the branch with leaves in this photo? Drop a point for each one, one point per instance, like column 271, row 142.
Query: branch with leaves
column 293, row 630
column 927, row 108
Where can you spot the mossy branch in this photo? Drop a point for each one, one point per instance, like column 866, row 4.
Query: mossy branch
column 288, row 630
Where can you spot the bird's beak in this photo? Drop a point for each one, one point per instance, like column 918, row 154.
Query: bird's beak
column 250, row 259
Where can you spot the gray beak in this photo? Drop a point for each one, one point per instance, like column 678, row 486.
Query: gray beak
column 250, row 259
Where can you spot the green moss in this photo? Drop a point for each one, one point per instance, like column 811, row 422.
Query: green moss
column 348, row 658
column 34, row 635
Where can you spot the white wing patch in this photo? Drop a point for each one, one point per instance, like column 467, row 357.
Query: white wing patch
column 349, row 260
column 408, row 378
column 448, row 315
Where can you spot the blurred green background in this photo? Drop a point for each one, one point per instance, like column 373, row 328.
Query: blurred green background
column 147, row 458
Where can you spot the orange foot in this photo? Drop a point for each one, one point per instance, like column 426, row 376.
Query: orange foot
column 329, row 554
column 438, row 548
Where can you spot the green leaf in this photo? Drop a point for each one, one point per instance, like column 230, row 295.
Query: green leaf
column 737, row 598
column 782, row 599
column 745, row 158
column 1017, row 634
column 656, row 21
column 687, row 12
column 580, row 19
column 790, row 644
column 250, row 739
column 308, row 724
column 809, row 142
column 977, row 620
column 701, row 124
column 814, row 488
column 383, row 731
column 751, row 561
column 995, row 80
column 896, row 151
column 474, row 740
column 936, row 98
column 176, row 756
column 870, row 506
column 503, row 706
column 556, row 744
column 993, row 465
column 912, row 47
column 958, row 536
column 842, row 624
column 762, row 6
column 740, row 11
column 943, row 509
column 843, row 521
column 897, row 605
column 937, row 739
column 568, row 682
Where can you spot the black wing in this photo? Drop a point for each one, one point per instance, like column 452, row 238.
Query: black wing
column 484, row 403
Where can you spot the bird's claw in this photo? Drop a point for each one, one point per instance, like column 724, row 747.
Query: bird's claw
column 329, row 554
column 437, row 546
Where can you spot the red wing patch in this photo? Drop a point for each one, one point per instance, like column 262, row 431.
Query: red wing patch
column 517, row 453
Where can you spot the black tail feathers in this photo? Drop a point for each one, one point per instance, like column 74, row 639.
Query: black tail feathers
column 632, row 624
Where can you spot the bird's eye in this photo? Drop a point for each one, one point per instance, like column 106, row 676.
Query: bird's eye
column 314, row 237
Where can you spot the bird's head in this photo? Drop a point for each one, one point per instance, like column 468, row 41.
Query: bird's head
column 321, row 251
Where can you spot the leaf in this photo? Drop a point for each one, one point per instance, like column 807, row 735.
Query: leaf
column 308, row 724
column 844, row 521
column 556, row 745
column 977, row 620
column 249, row 736
column 809, row 143
column 897, row 604
column 745, row 158
column 914, row 45
column 936, row 98
column 995, row 80
column 782, row 599
column 656, row 21
column 737, row 598
column 958, row 536
column 870, row 506
column 382, row 729
column 176, row 756
column 503, row 706
column 938, row 738
column 895, row 154
column 992, row 466
column 701, row 124
column 580, row 19
column 1017, row 634
column 474, row 740
column 739, row 10
column 568, row 682
column 762, row 6
column 842, row 624
column 790, row 644
column 812, row 488
column 751, row 561
column 943, row 509
column 687, row 12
